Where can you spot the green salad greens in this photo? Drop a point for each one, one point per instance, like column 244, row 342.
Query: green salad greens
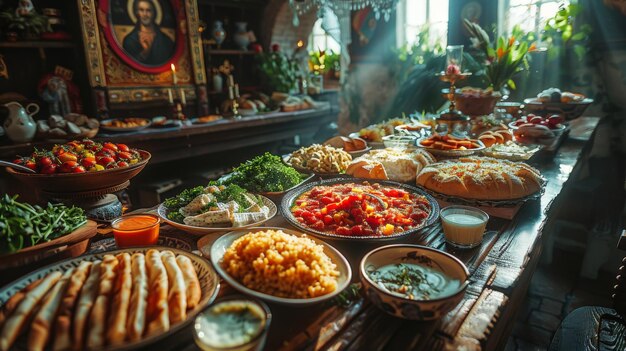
column 23, row 225
column 264, row 173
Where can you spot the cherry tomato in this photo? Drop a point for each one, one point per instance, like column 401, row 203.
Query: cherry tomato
column 109, row 146
column 105, row 160
column 68, row 156
column 88, row 162
column 78, row 169
column 111, row 165
column 18, row 161
column 88, row 142
column 122, row 164
column 123, row 155
column 31, row 164
column 45, row 161
column 49, row 169
column 123, row 147
column 343, row 231
column 68, row 166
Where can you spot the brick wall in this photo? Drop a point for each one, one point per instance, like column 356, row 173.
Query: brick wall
column 278, row 26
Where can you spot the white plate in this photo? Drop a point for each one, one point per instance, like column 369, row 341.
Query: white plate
column 209, row 285
column 162, row 211
column 219, row 248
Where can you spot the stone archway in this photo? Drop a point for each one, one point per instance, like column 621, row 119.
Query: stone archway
column 278, row 26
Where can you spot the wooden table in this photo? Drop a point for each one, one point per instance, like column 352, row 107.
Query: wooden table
column 500, row 272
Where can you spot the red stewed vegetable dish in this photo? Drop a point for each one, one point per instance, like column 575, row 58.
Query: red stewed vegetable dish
column 364, row 209
column 79, row 157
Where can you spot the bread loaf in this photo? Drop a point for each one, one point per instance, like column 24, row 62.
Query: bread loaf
column 42, row 324
column 481, row 178
column 63, row 337
column 157, row 317
column 401, row 165
column 136, row 323
column 116, row 332
column 177, row 297
column 85, row 302
column 14, row 324
column 192, row 284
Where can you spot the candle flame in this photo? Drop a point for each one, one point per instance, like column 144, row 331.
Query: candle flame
column 173, row 67
column 300, row 43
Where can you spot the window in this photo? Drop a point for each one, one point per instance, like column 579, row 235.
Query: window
column 321, row 40
column 530, row 15
column 414, row 15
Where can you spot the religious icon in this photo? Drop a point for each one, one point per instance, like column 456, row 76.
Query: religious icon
column 143, row 33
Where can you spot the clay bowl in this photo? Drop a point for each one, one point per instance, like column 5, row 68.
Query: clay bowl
column 81, row 182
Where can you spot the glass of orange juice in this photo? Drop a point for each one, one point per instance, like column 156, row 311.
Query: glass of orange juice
column 136, row 230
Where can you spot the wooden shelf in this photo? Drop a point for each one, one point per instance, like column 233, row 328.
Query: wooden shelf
column 37, row 44
column 228, row 52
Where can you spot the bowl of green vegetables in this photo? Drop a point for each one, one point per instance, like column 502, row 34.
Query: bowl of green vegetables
column 29, row 234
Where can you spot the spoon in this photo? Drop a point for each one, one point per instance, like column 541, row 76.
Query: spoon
column 16, row 166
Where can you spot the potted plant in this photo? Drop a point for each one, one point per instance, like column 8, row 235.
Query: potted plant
column 502, row 62
column 28, row 27
column 280, row 72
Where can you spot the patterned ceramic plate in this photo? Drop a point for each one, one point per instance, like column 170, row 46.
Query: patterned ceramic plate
column 220, row 246
column 162, row 211
column 209, row 284
column 290, row 199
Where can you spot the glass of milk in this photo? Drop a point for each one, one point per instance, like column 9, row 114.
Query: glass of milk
column 463, row 226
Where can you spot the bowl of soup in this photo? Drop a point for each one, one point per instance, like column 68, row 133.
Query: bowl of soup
column 412, row 281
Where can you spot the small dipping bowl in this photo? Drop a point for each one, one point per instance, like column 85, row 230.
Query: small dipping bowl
column 463, row 226
column 136, row 230
column 399, row 141
column 233, row 324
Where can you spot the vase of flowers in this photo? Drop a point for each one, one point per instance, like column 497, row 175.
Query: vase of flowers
column 503, row 61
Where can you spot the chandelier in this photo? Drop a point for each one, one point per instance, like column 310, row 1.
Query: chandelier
column 380, row 7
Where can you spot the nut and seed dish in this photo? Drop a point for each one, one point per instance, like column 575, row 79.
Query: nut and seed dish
column 280, row 264
column 321, row 159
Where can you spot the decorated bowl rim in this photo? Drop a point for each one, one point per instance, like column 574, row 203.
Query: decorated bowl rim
column 370, row 282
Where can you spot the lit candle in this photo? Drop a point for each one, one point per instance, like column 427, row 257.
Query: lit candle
column 183, row 98
column 237, row 90
column 170, row 98
column 230, row 93
column 174, row 73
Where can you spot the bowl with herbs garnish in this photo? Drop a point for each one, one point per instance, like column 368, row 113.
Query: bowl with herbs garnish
column 413, row 282
column 216, row 208
column 266, row 175
column 31, row 233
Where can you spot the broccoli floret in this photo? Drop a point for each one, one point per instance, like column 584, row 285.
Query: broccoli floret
column 263, row 173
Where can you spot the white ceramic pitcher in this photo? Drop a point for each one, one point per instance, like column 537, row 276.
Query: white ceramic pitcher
column 19, row 125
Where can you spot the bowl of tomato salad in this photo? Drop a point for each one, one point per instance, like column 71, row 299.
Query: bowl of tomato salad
column 79, row 166
column 359, row 210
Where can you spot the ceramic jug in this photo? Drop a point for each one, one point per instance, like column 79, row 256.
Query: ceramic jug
column 242, row 37
column 19, row 125
column 218, row 33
